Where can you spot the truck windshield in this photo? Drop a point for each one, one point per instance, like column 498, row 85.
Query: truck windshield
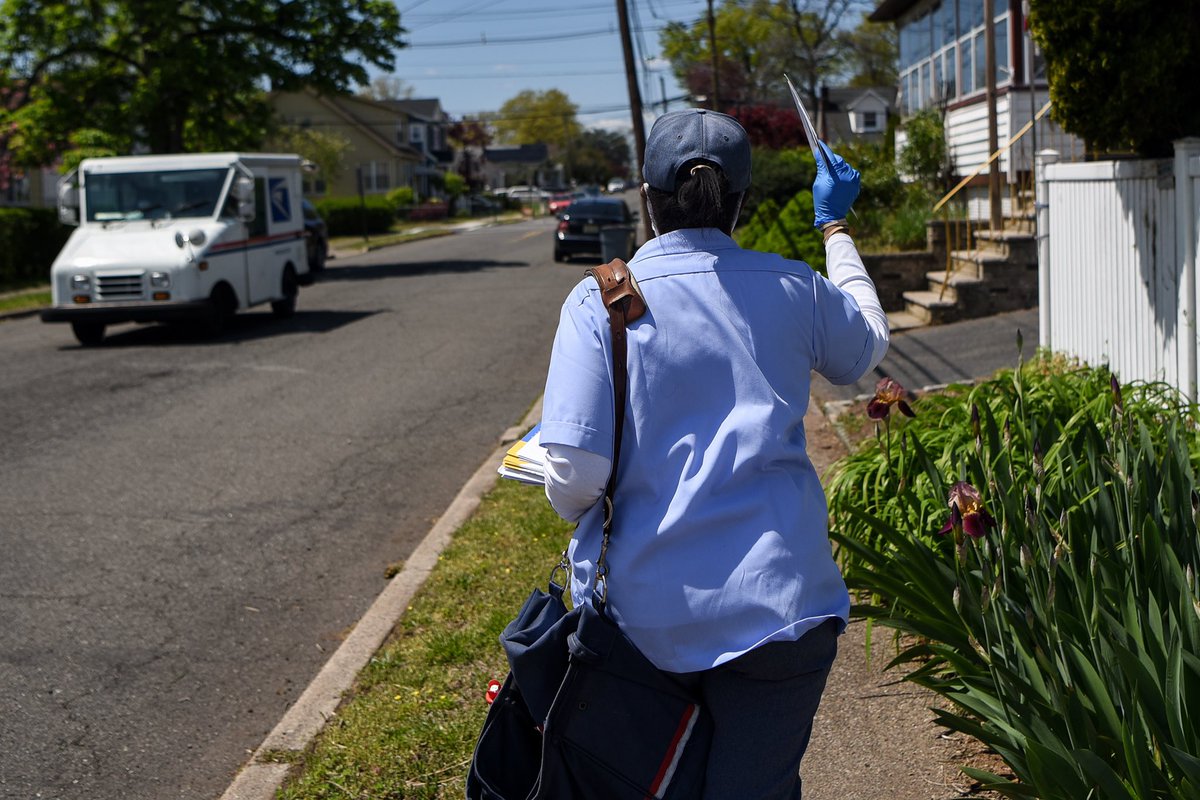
column 109, row 197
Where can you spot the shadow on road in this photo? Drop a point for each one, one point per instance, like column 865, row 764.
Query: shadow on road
column 404, row 269
column 242, row 328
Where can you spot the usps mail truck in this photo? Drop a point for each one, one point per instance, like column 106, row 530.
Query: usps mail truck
column 165, row 238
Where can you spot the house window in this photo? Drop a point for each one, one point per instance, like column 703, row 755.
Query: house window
column 870, row 121
column 375, row 177
column 416, row 134
column 942, row 52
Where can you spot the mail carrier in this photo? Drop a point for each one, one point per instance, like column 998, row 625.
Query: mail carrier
column 167, row 238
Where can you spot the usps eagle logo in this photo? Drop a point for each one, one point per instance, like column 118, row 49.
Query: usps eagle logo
column 281, row 200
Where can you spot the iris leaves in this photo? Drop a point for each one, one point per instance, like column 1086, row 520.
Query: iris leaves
column 1067, row 634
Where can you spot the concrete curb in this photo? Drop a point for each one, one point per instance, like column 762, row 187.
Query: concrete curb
column 24, row 312
column 264, row 774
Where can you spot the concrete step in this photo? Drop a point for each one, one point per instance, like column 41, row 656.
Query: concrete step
column 959, row 287
column 1014, row 245
column 929, row 308
column 990, row 266
column 903, row 321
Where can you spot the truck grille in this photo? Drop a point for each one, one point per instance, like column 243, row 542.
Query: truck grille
column 119, row 286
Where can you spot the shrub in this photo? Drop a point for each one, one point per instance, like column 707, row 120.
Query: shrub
column 1122, row 72
column 401, row 198
column 763, row 218
column 778, row 175
column 1067, row 635
column 30, row 238
column 926, row 156
column 792, row 234
column 350, row 216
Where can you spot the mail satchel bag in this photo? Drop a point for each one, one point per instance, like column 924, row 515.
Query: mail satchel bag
column 582, row 714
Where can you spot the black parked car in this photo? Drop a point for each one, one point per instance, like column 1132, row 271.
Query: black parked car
column 316, row 238
column 580, row 225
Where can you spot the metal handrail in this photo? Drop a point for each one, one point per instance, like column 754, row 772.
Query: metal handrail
column 999, row 152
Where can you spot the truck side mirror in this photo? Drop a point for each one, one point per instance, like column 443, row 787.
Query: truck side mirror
column 68, row 199
column 243, row 192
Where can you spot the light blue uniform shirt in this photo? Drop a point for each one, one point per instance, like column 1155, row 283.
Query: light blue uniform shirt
column 719, row 540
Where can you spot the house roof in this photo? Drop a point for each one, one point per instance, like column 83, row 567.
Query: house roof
column 845, row 98
column 343, row 106
column 522, row 154
column 428, row 109
column 890, row 10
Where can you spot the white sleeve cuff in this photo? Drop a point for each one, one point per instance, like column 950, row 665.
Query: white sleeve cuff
column 575, row 479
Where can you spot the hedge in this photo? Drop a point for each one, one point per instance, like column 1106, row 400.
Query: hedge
column 30, row 238
column 344, row 216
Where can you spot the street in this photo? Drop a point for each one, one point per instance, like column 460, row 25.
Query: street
column 190, row 526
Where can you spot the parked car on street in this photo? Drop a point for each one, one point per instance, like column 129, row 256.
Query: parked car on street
column 316, row 237
column 616, row 185
column 559, row 202
column 580, row 226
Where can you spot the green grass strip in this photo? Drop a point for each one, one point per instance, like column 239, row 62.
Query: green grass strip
column 25, row 300
column 409, row 725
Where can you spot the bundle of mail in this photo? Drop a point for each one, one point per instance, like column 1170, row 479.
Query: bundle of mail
column 525, row 461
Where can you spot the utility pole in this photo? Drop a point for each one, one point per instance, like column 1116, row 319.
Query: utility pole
column 635, row 106
column 989, row 39
column 714, row 101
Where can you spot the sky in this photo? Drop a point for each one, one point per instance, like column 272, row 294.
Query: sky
column 475, row 54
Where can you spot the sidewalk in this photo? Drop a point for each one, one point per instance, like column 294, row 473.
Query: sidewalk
column 924, row 358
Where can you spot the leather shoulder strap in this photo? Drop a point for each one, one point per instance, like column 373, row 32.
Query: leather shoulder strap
column 625, row 303
column 616, row 284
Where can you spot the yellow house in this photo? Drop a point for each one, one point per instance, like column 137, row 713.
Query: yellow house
column 379, row 154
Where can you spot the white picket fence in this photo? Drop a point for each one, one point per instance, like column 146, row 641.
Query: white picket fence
column 1117, row 263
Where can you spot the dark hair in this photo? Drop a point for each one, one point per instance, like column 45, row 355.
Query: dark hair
column 701, row 200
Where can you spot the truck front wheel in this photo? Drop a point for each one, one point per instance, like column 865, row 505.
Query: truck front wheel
column 286, row 306
column 222, row 305
column 89, row 334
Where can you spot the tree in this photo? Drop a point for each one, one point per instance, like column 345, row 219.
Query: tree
column 600, row 155
column 172, row 77
column 471, row 136
column 757, row 42
column 1122, row 73
column 751, row 53
column 327, row 150
column 872, row 51
column 819, row 44
column 386, row 87
column 537, row 117
column 925, row 155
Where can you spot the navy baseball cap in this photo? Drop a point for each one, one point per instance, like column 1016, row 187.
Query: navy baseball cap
column 682, row 136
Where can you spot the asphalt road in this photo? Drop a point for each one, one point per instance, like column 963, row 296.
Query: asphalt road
column 188, row 526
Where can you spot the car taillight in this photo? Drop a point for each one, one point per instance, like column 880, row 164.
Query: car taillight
column 562, row 226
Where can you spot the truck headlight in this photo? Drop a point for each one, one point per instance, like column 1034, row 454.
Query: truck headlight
column 160, row 280
column 81, row 283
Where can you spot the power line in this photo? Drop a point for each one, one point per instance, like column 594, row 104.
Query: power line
column 555, row 10
column 499, row 76
column 502, row 40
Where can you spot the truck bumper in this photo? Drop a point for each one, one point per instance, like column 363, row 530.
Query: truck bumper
column 112, row 314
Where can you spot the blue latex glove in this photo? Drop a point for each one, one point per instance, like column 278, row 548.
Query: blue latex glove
column 833, row 194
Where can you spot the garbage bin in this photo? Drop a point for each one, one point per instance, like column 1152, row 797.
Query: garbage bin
column 616, row 241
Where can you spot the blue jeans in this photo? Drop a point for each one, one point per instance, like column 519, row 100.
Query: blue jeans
column 762, row 704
